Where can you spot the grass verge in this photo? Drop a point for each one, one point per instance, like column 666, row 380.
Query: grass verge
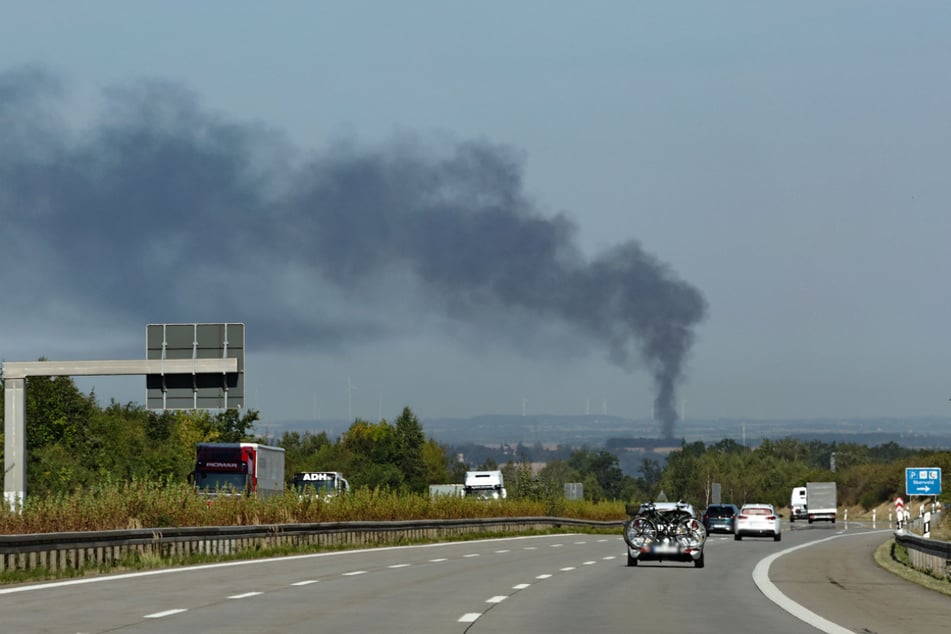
column 894, row 558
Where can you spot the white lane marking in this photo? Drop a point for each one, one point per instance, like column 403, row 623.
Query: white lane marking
column 244, row 595
column 600, row 541
column 569, row 568
column 521, row 586
column 556, row 545
column 497, row 599
column 531, row 548
column 256, row 562
column 609, row 557
column 399, row 566
column 354, row 573
column 436, row 561
column 504, row 550
column 589, row 563
column 305, row 583
column 543, row 576
column 471, row 555
column 469, row 617
column 581, row 542
column 159, row 615
column 768, row 588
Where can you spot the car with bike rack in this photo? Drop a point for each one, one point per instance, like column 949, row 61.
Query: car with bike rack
column 664, row 531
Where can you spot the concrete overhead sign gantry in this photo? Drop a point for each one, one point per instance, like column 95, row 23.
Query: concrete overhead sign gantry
column 205, row 372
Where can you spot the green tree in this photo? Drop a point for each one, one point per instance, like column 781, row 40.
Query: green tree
column 410, row 441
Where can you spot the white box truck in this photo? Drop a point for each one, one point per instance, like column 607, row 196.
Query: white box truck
column 821, row 501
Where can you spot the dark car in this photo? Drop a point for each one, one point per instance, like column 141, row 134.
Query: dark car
column 720, row 517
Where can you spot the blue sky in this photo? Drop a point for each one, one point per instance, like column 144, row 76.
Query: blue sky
column 780, row 170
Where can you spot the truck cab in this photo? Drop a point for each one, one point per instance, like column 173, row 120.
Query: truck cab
column 325, row 484
column 485, row 484
column 798, row 504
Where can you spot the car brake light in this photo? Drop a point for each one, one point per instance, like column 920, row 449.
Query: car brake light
column 742, row 517
column 770, row 517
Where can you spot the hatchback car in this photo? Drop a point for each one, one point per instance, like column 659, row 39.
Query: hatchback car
column 720, row 517
column 758, row 520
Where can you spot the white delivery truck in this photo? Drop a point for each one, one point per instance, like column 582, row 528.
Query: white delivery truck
column 822, row 501
column 326, row 484
column 798, row 503
column 485, row 484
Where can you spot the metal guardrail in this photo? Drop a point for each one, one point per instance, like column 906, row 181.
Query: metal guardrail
column 930, row 555
column 57, row 552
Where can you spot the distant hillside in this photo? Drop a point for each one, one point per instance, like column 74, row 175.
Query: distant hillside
column 600, row 431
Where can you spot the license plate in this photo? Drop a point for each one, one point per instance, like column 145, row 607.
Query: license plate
column 665, row 549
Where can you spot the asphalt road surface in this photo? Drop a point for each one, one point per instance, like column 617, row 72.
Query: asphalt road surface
column 551, row 585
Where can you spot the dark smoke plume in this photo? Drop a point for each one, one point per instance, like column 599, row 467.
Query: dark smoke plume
column 164, row 212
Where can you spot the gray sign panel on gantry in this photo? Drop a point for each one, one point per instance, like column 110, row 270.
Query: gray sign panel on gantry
column 195, row 390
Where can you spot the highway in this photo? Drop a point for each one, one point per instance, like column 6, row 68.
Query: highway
column 549, row 584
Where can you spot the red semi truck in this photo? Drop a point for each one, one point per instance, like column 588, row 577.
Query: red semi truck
column 238, row 468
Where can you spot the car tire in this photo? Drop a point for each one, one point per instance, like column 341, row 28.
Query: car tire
column 777, row 537
column 737, row 537
column 631, row 561
column 698, row 563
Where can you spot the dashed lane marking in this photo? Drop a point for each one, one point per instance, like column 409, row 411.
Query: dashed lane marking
column 159, row 615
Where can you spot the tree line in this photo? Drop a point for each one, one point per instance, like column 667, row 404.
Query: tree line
column 75, row 444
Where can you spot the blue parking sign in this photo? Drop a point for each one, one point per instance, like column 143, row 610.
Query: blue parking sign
column 923, row 481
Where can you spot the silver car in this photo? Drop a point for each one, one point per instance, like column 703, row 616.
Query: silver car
column 664, row 531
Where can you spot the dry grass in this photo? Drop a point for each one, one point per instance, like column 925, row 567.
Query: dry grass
column 119, row 506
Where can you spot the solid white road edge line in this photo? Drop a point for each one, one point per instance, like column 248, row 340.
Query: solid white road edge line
column 768, row 588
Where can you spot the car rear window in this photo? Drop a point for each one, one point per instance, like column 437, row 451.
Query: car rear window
column 756, row 511
column 719, row 511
